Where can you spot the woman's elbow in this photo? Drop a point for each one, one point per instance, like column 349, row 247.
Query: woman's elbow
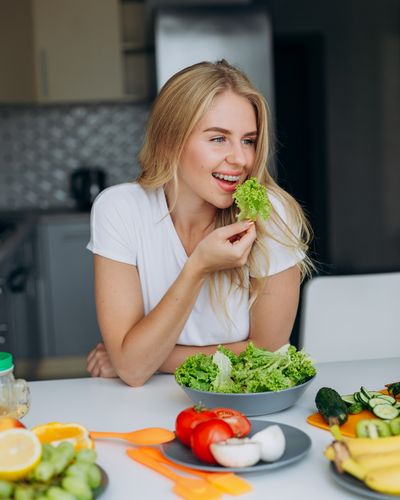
column 133, row 378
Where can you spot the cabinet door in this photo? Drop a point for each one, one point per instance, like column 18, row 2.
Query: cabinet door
column 68, row 312
column 77, row 47
column 18, row 303
column 16, row 53
column 21, row 290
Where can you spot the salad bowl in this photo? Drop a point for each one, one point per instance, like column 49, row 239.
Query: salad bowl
column 255, row 382
column 251, row 404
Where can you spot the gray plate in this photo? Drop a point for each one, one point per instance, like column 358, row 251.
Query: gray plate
column 356, row 486
column 104, row 483
column 297, row 445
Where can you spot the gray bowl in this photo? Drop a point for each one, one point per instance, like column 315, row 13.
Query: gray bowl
column 251, row 404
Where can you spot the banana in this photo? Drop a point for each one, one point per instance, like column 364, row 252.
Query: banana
column 385, row 480
column 339, row 454
column 366, row 459
column 329, row 452
column 372, row 461
column 362, row 446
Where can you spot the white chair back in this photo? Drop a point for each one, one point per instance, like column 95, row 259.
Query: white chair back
column 351, row 317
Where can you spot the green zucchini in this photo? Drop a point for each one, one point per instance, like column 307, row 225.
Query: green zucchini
column 355, row 408
column 331, row 406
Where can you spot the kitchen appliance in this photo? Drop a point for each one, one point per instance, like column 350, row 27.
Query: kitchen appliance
column 86, row 184
column 240, row 34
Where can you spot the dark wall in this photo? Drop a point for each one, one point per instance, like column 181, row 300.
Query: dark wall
column 360, row 127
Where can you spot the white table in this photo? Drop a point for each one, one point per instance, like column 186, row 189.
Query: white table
column 109, row 405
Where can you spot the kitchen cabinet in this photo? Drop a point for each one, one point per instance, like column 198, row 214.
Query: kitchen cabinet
column 54, row 51
column 137, row 55
column 68, row 322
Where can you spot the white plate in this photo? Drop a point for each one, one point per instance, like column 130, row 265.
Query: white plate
column 297, row 445
column 356, row 486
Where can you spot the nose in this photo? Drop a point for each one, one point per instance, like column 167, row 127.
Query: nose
column 236, row 156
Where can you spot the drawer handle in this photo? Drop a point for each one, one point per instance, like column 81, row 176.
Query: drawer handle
column 18, row 279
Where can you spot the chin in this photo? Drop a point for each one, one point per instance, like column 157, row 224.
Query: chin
column 223, row 205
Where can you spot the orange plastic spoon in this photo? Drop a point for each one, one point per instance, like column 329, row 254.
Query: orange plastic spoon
column 142, row 437
column 188, row 488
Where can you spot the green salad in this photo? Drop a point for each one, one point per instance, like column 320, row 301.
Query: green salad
column 251, row 197
column 253, row 370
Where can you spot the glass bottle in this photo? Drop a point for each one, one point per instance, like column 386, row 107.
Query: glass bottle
column 14, row 394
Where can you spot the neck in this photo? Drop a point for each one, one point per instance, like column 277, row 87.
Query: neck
column 192, row 221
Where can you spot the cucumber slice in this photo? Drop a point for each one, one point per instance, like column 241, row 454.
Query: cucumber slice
column 385, row 411
column 362, row 398
column 365, row 392
column 378, row 401
column 374, row 394
column 348, row 399
column 391, row 400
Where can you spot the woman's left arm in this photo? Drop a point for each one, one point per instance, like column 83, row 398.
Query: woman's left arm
column 271, row 321
column 273, row 314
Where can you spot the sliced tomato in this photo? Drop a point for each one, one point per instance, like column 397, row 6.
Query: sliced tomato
column 187, row 420
column 206, row 433
column 239, row 423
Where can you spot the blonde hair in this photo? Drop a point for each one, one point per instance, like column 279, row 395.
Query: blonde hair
column 181, row 103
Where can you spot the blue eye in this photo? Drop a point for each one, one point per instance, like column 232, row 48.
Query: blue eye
column 249, row 142
column 218, row 139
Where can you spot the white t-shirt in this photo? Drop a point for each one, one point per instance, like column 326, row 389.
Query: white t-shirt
column 133, row 225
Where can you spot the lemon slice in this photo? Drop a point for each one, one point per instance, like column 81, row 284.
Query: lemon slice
column 20, row 452
column 55, row 432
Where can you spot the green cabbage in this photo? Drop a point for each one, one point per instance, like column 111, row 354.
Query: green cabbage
column 254, row 370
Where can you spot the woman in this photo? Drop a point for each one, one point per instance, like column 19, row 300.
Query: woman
column 175, row 272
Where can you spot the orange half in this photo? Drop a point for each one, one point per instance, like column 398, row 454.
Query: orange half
column 56, row 432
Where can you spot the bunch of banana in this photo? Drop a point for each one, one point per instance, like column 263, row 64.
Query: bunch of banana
column 376, row 462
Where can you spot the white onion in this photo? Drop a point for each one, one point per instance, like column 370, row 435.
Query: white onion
column 272, row 441
column 236, row 452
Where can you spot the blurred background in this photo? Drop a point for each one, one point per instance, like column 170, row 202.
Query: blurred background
column 77, row 79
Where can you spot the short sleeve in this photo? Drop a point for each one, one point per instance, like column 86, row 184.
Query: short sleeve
column 281, row 253
column 111, row 227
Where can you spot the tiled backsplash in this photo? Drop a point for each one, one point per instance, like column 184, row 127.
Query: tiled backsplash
column 41, row 145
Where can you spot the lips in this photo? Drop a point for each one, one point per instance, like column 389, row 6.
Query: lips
column 227, row 182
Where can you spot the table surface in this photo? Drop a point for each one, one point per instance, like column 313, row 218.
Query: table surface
column 110, row 405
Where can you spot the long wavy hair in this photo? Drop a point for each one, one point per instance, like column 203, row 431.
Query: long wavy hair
column 181, row 103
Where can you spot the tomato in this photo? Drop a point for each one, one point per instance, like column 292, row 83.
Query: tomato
column 206, row 433
column 239, row 423
column 187, row 420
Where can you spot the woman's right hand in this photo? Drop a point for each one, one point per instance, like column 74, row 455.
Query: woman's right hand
column 98, row 363
column 224, row 248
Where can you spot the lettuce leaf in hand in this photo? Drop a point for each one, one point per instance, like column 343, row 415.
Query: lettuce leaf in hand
column 252, row 200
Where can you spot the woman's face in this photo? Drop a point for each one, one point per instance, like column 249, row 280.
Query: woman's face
column 220, row 151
